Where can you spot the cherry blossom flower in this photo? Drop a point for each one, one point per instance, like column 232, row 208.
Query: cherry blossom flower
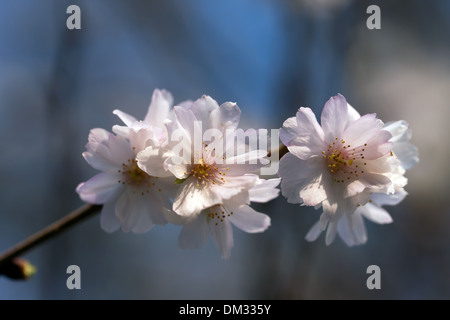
column 207, row 176
column 346, row 166
column 216, row 183
column 132, row 199
column 216, row 221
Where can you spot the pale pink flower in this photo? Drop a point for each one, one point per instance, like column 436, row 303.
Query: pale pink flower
column 207, row 176
column 346, row 166
column 132, row 199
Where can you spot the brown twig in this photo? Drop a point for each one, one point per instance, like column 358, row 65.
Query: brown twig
column 49, row 232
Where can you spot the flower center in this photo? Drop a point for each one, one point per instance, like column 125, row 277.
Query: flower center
column 133, row 176
column 344, row 162
column 217, row 214
column 207, row 173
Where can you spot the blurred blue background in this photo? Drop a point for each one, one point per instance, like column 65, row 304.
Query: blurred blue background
column 271, row 57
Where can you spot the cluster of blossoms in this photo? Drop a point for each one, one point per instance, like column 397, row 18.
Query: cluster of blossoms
column 184, row 165
column 162, row 169
column 349, row 165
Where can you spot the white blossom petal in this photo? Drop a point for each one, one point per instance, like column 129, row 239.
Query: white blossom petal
column 222, row 235
column 129, row 208
column 352, row 230
column 314, row 232
column 98, row 189
column 265, row 190
column 352, row 115
column 202, row 109
column 362, row 130
column 191, row 200
column 303, row 135
column 304, row 184
column 225, row 117
column 389, row 199
column 108, row 219
column 407, row 153
column 249, row 220
column 127, row 119
column 331, row 232
column 374, row 213
column 159, row 108
column 334, row 117
column 151, row 160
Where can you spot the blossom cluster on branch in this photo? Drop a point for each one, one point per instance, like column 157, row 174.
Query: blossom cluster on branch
column 189, row 164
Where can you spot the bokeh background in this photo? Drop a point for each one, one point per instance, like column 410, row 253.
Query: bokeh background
column 271, row 57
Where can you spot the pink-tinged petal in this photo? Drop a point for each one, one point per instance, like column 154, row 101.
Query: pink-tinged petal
column 140, row 138
column 314, row 192
column 407, row 153
column 265, row 190
column 371, row 180
column 225, row 117
column 99, row 189
column 331, row 232
column 374, row 213
column 176, row 219
column 233, row 186
column 353, row 188
column 151, row 161
column 108, row 219
column 378, row 146
column 185, row 104
column 330, row 209
column 202, row 109
column 98, row 154
column 98, row 135
column 300, row 179
column 125, row 117
column 382, row 199
column 179, row 170
column 188, row 125
column 314, row 232
column 151, row 212
column 126, row 210
column 249, row 220
column 129, row 208
column 353, row 115
column 159, row 108
column 352, row 230
column 362, row 130
column 289, row 131
column 120, row 150
column 191, row 200
column 194, row 234
column 237, row 200
column 334, row 117
column 399, row 131
column 123, row 131
column 303, row 135
column 222, row 235
column 98, row 162
column 143, row 224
